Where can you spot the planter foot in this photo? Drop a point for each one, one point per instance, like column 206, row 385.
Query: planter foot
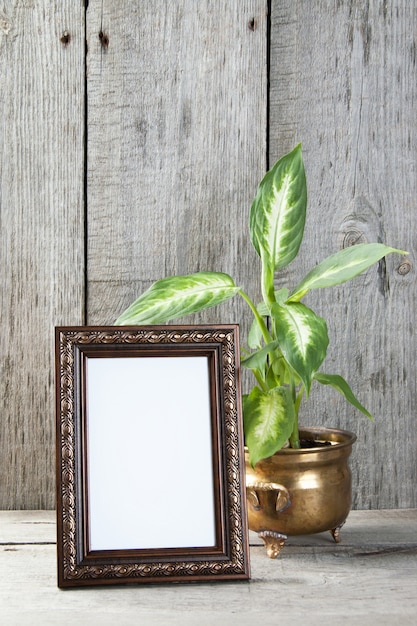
column 273, row 541
column 336, row 533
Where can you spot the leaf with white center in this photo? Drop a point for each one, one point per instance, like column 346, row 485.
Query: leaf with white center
column 339, row 383
column 341, row 267
column 176, row 296
column 268, row 419
column 278, row 211
column 302, row 337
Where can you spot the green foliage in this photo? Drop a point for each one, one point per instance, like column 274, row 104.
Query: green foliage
column 285, row 358
column 176, row 296
column 268, row 418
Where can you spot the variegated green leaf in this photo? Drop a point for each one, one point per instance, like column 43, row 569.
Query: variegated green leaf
column 341, row 267
column 279, row 371
column 303, row 339
column 268, row 419
column 281, row 295
column 176, row 296
column 255, row 336
column 257, row 360
column 339, row 383
column 278, row 211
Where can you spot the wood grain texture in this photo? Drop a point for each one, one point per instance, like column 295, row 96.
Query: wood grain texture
column 41, row 245
column 176, row 146
column 370, row 577
column 177, row 129
column 343, row 81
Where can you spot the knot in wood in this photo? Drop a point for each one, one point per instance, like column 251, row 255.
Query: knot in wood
column 352, row 237
column 404, row 267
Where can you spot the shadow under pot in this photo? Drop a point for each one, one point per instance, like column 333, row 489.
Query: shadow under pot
column 301, row 492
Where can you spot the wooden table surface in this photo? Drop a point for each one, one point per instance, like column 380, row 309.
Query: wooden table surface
column 371, row 577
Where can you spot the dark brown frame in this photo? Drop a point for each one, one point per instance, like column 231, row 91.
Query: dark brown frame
column 228, row 559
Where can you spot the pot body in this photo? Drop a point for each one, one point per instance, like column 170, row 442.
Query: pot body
column 317, row 482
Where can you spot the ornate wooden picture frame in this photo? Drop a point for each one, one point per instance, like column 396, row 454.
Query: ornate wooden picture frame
column 150, row 469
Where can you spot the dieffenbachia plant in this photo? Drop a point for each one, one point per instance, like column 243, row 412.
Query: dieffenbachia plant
column 285, row 354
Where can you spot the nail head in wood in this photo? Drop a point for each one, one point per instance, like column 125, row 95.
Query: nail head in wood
column 104, row 39
column 252, row 24
column 65, row 38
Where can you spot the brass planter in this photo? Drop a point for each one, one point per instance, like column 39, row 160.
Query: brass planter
column 299, row 492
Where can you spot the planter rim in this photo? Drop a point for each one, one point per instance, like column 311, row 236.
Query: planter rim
column 338, row 437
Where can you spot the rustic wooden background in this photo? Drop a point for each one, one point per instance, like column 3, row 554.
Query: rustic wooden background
column 132, row 138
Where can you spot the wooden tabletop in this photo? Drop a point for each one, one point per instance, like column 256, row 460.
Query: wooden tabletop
column 370, row 576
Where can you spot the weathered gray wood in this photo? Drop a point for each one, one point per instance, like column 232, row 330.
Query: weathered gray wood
column 28, row 527
column 385, row 528
column 371, row 576
column 343, row 81
column 41, row 245
column 176, row 145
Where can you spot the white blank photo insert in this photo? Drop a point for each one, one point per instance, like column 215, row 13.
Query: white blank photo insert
column 149, row 451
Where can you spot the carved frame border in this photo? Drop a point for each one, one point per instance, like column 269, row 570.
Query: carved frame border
column 230, row 557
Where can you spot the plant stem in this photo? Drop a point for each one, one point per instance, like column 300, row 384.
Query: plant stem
column 295, row 435
column 260, row 380
column 298, row 400
column 267, row 284
column 265, row 332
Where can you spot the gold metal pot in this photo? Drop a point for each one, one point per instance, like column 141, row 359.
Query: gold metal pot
column 299, row 492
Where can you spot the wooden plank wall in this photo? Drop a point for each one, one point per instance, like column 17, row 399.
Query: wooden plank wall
column 41, row 231
column 344, row 82
column 176, row 144
column 177, row 139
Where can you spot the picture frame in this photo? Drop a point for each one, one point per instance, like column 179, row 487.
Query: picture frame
column 150, row 456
